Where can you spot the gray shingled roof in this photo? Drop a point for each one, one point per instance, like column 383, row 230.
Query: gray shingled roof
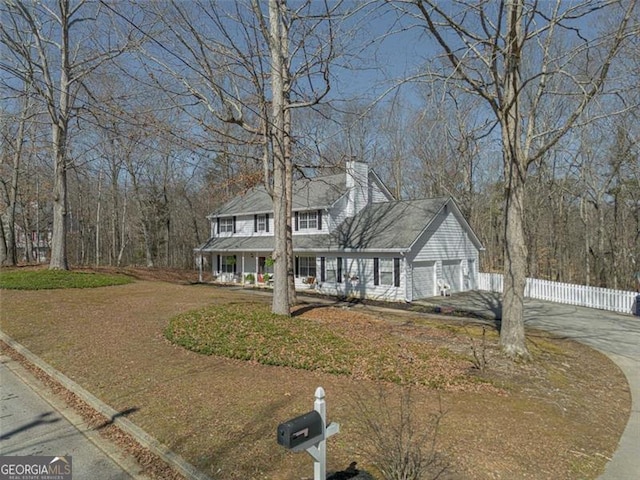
column 387, row 226
column 263, row 243
column 390, row 226
column 308, row 194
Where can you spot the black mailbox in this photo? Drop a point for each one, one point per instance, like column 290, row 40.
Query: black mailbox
column 301, row 432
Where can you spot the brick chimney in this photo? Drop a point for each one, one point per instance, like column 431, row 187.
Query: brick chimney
column 357, row 187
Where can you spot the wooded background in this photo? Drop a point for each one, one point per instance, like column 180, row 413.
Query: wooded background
column 151, row 153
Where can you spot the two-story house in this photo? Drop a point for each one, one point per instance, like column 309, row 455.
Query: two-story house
column 350, row 238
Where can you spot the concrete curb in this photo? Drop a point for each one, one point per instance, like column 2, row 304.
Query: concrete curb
column 108, row 447
column 139, row 435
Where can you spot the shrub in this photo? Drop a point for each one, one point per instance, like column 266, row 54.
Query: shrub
column 396, row 443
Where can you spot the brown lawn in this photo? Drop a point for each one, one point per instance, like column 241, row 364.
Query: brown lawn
column 559, row 417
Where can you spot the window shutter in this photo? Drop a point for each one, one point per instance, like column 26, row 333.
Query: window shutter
column 396, row 272
column 255, row 223
column 322, row 267
column 235, row 263
column 319, row 219
column 296, row 221
column 266, row 221
column 218, row 222
column 297, row 266
column 339, row 279
column 376, row 271
column 234, row 224
column 219, row 264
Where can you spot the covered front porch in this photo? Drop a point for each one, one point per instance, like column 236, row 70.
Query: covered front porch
column 235, row 267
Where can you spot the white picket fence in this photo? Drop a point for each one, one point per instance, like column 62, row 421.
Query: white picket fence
column 581, row 295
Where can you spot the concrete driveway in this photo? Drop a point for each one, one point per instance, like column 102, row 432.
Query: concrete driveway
column 615, row 335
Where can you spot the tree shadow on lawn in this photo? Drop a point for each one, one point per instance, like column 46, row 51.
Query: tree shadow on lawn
column 250, row 431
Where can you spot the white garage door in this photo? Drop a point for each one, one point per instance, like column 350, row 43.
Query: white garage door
column 424, row 279
column 452, row 274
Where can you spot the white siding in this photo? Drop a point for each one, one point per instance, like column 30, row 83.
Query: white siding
column 244, row 227
column 376, row 194
column 357, row 280
column 445, row 239
column 338, row 213
column 446, row 243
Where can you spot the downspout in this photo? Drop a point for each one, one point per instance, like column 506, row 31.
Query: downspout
column 200, row 267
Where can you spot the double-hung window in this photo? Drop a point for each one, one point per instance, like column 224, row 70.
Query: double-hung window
column 308, row 221
column 386, row 271
column 225, row 225
column 262, row 223
column 331, row 269
column 306, row 266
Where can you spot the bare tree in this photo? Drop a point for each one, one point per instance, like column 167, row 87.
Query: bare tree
column 520, row 57
column 48, row 41
column 11, row 187
column 237, row 64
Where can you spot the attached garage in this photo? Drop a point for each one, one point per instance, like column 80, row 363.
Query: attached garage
column 424, row 279
column 452, row 274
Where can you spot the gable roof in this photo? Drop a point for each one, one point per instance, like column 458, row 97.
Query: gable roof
column 308, row 194
column 389, row 226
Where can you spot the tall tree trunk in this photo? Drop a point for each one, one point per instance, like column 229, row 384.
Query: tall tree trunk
column 60, row 201
column 98, row 218
column 3, row 243
column 11, row 257
column 59, row 143
column 291, row 282
column 512, row 335
column 281, row 303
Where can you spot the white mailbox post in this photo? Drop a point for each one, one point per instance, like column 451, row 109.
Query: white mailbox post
column 293, row 433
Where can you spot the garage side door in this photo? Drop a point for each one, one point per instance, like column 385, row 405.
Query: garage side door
column 424, row 279
column 452, row 274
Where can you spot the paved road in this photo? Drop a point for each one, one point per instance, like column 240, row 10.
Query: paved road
column 615, row 335
column 30, row 425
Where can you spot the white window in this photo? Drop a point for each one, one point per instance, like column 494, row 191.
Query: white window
column 331, row 269
column 386, row 271
column 308, row 221
column 306, row 266
column 262, row 223
column 226, row 225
